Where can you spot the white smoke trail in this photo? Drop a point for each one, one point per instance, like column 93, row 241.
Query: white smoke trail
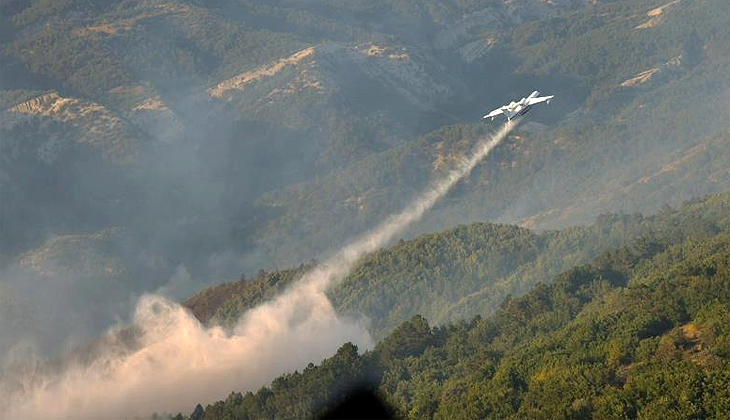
column 176, row 362
column 339, row 265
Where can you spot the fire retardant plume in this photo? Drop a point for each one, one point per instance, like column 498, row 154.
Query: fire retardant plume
column 167, row 361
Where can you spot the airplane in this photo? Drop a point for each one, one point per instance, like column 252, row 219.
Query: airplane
column 515, row 109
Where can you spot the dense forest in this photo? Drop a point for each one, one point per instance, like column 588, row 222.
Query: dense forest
column 465, row 271
column 640, row 331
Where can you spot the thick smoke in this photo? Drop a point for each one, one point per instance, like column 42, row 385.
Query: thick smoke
column 174, row 361
column 168, row 360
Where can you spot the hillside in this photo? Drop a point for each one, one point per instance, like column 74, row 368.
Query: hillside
column 159, row 150
column 230, row 136
column 640, row 331
column 639, row 133
column 469, row 270
column 278, row 120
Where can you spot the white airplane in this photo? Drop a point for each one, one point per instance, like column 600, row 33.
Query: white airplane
column 515, row 109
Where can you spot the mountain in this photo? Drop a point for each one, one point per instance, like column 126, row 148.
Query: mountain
column 640, row 331
column 184, row 143
column 166, row 146
column 639, row 117
column 273, row 119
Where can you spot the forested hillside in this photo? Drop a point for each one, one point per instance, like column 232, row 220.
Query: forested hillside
column 641, row 331
column 166, row 146
column 641, row 121
column 271, row 131
column 469, row 270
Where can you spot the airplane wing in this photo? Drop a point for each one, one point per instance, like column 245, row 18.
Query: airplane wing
column 533, row 101
column 496, row 112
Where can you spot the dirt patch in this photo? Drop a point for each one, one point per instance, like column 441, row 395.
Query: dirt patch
column 374, row 50
column 307, row 79
column 240, row 81
column 640, row 78
column 97, row 126
column 646, row 75
column 655, row 16
column 152, row 104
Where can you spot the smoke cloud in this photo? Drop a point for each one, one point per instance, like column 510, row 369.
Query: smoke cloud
column 167, row 361
column 174, row 361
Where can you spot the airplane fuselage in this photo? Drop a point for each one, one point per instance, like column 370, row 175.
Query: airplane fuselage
column 518, row 112
column 519, row 108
